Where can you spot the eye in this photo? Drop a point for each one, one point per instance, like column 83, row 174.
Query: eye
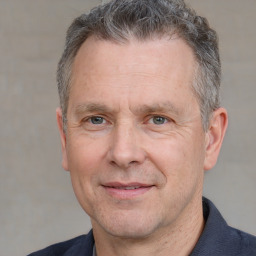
column 96, row 120
column 158, row 120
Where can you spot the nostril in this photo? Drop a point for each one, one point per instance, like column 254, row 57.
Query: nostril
column 119, row 164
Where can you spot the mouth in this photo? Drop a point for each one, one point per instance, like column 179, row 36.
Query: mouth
column 127, row 188
column 126, row 191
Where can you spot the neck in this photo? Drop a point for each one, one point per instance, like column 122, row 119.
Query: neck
column 177, row 239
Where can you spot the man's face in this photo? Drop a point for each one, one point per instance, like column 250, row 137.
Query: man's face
column 134, row 144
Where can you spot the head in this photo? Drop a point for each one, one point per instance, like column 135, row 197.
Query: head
column 122, row 20
column 139, row 117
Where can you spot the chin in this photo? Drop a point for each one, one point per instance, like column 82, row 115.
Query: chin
column 134, row 232
column 128, row 226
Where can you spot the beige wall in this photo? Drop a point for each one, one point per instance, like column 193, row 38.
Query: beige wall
column 37, row 203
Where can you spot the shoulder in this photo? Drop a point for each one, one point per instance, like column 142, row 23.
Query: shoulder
column 218, row 238
column 244, row 242
column 81, row 245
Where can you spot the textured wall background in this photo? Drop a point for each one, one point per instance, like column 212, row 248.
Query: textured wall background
column 37, row 202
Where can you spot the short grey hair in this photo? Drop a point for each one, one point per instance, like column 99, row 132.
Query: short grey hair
column 121, row 20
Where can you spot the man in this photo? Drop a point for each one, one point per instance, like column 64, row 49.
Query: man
column 140, row 121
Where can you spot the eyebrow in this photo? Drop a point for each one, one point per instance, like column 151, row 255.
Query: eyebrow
column 142, row 109
column 91, row 107
column 158, row 107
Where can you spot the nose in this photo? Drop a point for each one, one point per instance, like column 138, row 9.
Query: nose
column 126, row 147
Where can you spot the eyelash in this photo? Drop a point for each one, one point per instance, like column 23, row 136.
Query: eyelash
column 89, row 120
column 165, row 119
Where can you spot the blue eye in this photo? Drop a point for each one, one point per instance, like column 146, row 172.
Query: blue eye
column 96, row 120
column 158, row 120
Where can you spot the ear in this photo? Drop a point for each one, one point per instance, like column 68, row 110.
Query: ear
column 214, row 137
column 63, row 139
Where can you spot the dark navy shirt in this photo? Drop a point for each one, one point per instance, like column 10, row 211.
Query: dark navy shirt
column 217, row 239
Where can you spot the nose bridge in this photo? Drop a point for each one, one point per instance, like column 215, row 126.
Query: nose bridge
column 126, row 148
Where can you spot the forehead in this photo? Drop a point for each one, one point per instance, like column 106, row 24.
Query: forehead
column 159, row 67
column 161, row 51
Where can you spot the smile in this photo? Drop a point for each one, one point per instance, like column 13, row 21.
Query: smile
column 126, row 191
column 127, row 188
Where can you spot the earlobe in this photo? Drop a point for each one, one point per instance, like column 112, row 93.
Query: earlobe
column 63, row 138
column 214, row 137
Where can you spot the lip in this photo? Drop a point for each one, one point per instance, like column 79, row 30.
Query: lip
column 126, row 190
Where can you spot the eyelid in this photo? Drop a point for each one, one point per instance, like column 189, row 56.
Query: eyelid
column 168, row 119
column 95, row 117
column 87, row 118
column 149, row 117
column 88, row 125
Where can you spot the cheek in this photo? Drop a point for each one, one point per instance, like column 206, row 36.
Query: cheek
column 83, row 165
column 168, row 156
column 180, row 161
column 85, row 160
column 84, row 155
